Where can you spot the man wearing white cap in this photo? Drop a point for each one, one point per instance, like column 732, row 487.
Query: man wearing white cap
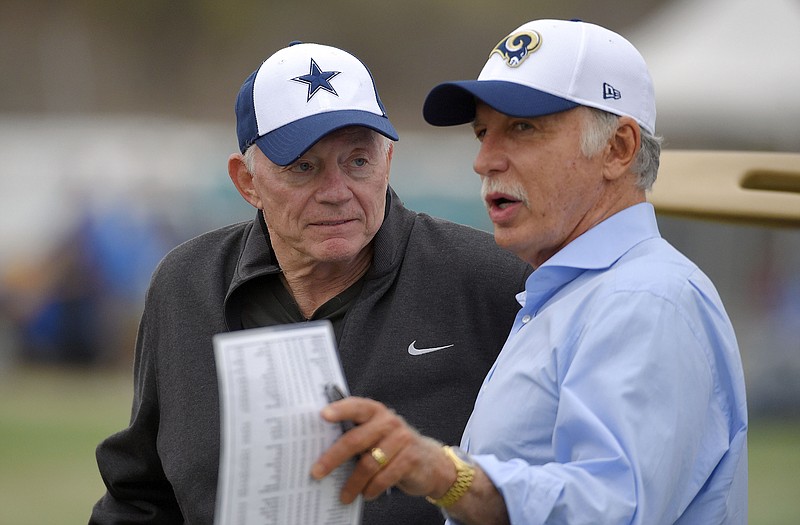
column 619, row 394
column 417, row 321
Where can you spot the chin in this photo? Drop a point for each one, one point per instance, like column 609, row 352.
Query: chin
column 338, row 251
column 507, row 239
column 504, row 237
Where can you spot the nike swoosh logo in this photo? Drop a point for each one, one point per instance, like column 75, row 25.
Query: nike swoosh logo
column 413, row 350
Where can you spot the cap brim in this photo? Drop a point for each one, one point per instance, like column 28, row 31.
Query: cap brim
column 453, row 103
column 287, row 143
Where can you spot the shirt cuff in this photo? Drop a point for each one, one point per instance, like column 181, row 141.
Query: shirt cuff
column 529, row 491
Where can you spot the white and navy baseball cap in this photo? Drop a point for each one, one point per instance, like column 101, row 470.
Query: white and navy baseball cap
column 548, row 66
column 302, row 93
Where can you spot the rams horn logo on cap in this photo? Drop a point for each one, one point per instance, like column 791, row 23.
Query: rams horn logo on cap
column 516, row 47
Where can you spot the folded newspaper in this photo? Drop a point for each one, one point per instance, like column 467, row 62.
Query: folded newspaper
column 272, row 388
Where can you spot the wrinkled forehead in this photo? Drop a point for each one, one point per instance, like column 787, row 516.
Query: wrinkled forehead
column 345, row 141
column 483, row 110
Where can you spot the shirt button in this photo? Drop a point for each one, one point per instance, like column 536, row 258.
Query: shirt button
column 526, row 318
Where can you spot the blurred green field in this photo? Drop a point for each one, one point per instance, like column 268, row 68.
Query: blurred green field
column 51, row 421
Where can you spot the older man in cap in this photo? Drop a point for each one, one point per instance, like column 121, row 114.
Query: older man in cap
column 419, row 306
column 619, row 395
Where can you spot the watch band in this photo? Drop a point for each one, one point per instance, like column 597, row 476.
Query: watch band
column 465, row 473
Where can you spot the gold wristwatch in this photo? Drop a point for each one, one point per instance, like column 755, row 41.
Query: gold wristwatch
column 465, row 472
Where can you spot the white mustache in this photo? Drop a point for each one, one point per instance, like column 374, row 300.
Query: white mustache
column 492, row 185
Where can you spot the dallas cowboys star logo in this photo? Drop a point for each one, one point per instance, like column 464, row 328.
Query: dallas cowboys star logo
column 317, row 79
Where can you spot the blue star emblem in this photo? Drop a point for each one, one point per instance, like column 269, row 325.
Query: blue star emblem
column 317, row 79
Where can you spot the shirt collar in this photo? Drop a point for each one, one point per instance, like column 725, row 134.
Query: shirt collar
column 596, row 249
column 600, row 246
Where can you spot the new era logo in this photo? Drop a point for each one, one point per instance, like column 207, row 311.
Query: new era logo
column 610, row 92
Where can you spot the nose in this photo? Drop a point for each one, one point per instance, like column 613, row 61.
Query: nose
column 334, row 185
column 491, row 158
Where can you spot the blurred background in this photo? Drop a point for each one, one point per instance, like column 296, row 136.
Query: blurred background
column 116, row 122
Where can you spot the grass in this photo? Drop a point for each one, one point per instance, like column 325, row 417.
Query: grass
column 52, row 419
column 774, row 464
column 50, row 422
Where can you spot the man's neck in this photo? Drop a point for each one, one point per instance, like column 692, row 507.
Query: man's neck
column 315, row 283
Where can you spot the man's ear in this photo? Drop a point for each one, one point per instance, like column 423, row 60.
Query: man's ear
column 243, row 179
column 624, row 147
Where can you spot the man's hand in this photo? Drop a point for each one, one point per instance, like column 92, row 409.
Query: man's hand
column 414, row 463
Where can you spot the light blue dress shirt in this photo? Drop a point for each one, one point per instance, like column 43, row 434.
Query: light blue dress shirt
column 619, row 395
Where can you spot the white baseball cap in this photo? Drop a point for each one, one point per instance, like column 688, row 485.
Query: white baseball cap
column 302, row 93
column 547, row 66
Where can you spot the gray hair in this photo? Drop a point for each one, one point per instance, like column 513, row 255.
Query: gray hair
column 600, row 126
column 249, row 158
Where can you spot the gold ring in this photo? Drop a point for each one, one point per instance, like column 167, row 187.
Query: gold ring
column 379, row 456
